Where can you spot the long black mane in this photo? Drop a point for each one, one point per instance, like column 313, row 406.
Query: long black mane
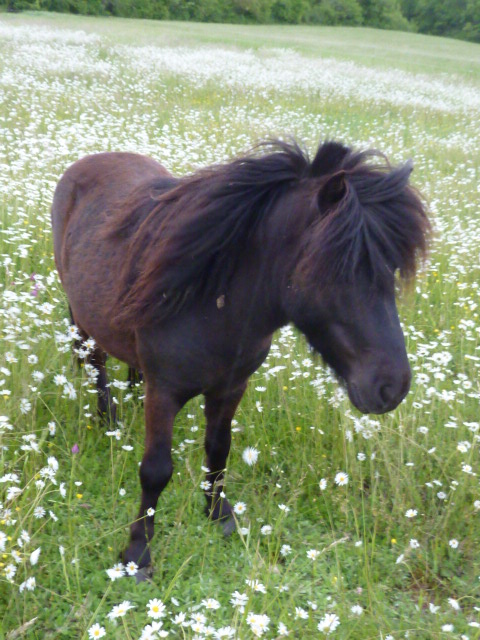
column 186, row 241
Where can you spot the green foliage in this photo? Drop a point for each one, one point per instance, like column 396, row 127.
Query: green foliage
column 156, row 9
column 383, row 14
column 408, row 8
column 471, row 28
column 179, row 10
column 82, row 7
column 290, row 11
column 455, row 18
column 255, row 10
column 211, row 11
column 333, row 12
column 443, row 19
column 21, row 5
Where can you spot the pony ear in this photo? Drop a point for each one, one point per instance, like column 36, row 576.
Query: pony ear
column 328, row 159
column 332, row 191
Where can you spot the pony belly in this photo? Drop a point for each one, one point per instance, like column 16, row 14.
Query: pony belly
column 90, row 291
column 91, row 316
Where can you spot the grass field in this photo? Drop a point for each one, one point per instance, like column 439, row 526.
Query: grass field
column 394, row 552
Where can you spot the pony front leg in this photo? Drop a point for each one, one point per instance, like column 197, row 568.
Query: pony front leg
column 155, row 470
column 219, row 412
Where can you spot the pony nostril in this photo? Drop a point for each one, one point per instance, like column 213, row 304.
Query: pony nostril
column 387, row 392
column 393, row 391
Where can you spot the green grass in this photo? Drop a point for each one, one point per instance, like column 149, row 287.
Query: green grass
column 68, row 94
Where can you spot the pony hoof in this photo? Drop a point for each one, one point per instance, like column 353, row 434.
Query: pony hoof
column 228, row 526
column 144, row 574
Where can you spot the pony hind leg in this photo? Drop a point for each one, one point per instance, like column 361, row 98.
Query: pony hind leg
column 219, row 412
column 78, row 342
column 97, row 359
column 105, row 406
column 134, row 378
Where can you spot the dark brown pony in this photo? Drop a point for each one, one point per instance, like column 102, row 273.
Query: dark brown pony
column 187, row 279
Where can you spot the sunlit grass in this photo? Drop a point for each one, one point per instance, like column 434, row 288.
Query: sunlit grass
column 384, row 552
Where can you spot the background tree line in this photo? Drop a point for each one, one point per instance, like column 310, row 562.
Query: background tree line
column 454, row 18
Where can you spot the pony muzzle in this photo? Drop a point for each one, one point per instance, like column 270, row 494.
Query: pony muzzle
column 381, row 392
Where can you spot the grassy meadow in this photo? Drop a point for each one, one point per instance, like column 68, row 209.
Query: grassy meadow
column 348, row 526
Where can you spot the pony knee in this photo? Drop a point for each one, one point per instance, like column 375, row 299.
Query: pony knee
column 155, row 472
